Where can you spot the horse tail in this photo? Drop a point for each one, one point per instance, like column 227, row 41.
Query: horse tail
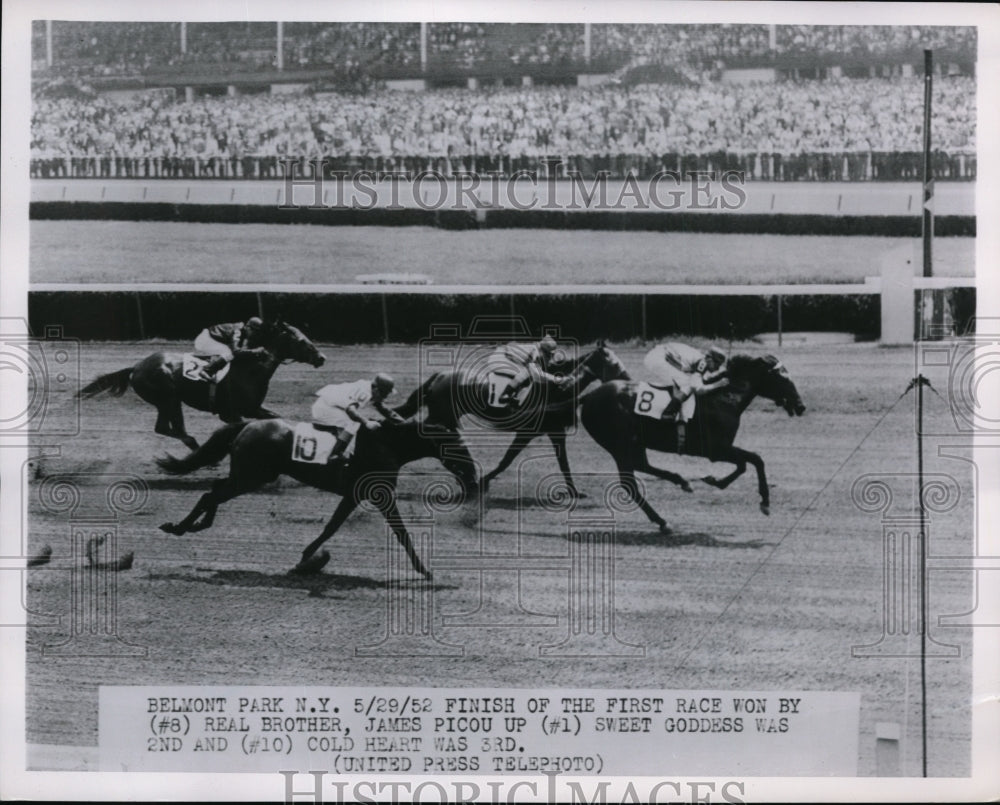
column 416, row 400
column 212, row 451
column 114, row 382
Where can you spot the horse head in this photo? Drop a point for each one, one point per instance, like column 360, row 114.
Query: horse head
column 604, row 365
column 769, row 378
column 290, row 343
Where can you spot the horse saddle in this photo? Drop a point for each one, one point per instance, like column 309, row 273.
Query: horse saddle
column 499, row 384
column 193, row 364
column 651, row 400
column 312, row 446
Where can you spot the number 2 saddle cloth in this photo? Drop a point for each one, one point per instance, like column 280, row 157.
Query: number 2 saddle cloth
column 193, row 364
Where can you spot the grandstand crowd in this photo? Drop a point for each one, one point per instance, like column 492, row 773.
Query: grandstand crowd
column 683, row 118
column 135, row 48
column 654, row 126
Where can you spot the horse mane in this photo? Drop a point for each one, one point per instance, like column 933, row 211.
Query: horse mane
column 741, row 365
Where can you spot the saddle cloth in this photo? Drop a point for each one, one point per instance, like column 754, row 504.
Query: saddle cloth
column 498, row 385
column 193, row 364
column 651, row 401
column 311, row 446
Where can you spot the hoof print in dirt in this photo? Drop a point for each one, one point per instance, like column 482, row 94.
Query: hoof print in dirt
column 121, row 563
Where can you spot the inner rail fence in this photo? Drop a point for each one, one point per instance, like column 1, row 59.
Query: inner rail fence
column 825, row 166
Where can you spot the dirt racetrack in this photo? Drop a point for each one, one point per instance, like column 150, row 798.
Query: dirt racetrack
column 730, row 599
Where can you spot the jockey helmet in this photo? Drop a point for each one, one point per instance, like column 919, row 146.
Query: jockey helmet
column 253, row 324
column 548, row 344
column 383, row 384
column 716, row 355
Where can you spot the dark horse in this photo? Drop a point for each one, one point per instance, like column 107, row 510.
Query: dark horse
column 160, row 381
column 607, row 414
column 260, row 451
column 449, row 395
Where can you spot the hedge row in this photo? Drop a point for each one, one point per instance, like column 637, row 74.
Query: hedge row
column 407, row 318
column 749, row 223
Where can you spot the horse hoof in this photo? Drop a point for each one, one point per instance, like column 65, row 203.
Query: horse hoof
column 170, row 528
column 313, row 564
column 580, row 495
column 429, row 575
column 765, row 509
column 664, row 528
column 686, row 487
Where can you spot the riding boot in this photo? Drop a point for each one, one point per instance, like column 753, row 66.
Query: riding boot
column 509, row 397
column 681, row 435
column 343, row 439
column 672, row 409
column 214, row 365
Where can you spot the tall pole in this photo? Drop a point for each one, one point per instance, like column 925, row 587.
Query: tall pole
column 48, row 43
column 423, row 47
column 184, row 38
column 281, row 45
column 586, row 42
column 928, row 223
column 922, row 579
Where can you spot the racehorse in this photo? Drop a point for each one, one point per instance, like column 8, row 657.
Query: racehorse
column 608, row 415
column 160, row 381
column 260, row 451
column 449, row 395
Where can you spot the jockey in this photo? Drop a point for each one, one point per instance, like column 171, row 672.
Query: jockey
column 686, row 371
column 222, row 341
column 524, row 363
column 337, row 408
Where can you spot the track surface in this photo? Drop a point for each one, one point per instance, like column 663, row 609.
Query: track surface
column 729, row 600
column 126, row 251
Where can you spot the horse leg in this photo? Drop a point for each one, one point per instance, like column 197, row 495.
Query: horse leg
column 521, row 440
column 642, row 465
column 203, row 514
column 222, row 490
column 173, row 412
column 395, row 521
column 740, row 457
column 163, row 426
column 347, row 505
column 627, row 476
column 559, row 445
column 204, row 503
